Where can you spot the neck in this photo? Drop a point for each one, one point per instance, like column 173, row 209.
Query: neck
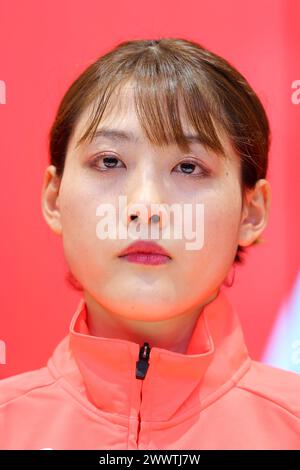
column 172, row 333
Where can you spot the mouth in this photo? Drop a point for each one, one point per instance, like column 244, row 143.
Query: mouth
column 145, row 252
column 146, row 258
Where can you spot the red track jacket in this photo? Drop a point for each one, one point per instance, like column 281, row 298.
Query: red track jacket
column 103, row 393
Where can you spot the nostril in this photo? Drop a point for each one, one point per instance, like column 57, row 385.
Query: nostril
column 154, row 218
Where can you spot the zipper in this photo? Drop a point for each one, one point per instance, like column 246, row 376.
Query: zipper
column 143, row 363
column 140, row 373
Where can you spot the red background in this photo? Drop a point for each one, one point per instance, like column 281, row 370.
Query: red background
column 43, row 47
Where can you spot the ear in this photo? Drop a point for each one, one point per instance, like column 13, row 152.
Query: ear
column 50, row 199
column 255, row 213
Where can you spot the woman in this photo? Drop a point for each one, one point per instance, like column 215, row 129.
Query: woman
column 155, row 357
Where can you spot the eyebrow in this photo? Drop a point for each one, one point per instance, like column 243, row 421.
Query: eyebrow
column 128, row 136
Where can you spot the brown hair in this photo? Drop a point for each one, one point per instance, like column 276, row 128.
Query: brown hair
column 213, row 91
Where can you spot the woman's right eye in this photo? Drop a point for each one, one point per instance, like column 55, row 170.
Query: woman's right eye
column 107, row 161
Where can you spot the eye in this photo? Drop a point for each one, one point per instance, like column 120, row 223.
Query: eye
column 107, row 160
column 189, row 166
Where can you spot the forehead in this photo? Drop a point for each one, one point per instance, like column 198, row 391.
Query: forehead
column 120, row 119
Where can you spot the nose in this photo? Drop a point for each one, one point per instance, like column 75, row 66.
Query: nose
column 146, row 205
column 147, row 214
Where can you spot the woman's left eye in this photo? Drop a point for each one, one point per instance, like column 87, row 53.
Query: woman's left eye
column 189, row 168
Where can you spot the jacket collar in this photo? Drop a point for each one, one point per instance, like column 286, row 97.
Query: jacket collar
column 104, row 369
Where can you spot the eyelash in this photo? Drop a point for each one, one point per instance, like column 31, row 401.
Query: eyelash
column 204, row 171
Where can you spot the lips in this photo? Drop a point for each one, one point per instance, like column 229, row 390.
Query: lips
column 145, row 247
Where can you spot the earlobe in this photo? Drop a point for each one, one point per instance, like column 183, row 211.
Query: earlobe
column 255, row 213
column 50, row 199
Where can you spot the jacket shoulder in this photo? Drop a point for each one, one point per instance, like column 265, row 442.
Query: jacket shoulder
column 279, row 386
column 16, row 386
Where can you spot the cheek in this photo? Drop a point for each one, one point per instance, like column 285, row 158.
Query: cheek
column 83, row 250
column 89, row 257
column 77, row 216
column 222, row 218
column 222, row 212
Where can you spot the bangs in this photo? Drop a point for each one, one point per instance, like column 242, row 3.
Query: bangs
column 164, row 91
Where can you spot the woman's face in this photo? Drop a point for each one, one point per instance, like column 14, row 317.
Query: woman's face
column 147, row 174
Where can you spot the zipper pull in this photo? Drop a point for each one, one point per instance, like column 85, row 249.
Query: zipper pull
column 143, row 363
